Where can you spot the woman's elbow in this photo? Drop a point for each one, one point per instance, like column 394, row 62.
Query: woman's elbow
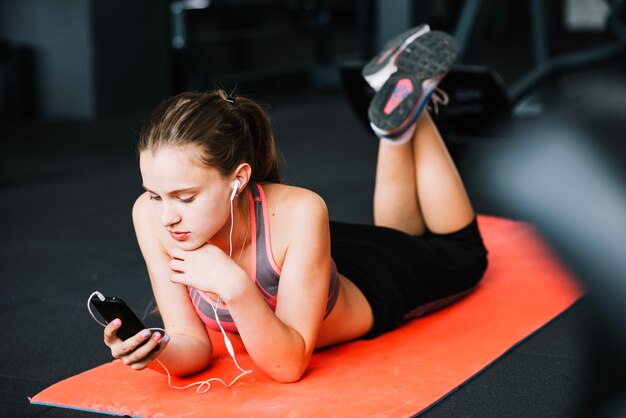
column 283, row 374
column 189, row 366
column 188, row 370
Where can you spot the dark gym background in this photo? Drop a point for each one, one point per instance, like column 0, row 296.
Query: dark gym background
column 535, row 124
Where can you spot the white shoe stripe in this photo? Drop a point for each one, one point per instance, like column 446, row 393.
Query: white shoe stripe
column 377, row 79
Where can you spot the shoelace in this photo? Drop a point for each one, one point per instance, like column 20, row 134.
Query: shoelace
column 436, row 98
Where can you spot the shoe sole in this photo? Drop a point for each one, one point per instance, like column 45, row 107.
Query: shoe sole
column 380, row 68
column 402, row 98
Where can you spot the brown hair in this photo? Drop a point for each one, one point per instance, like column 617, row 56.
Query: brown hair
column 229, row 130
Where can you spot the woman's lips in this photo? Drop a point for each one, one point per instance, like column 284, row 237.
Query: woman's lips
column 179, row 236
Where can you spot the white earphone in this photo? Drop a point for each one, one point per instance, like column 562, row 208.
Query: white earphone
column 236, row 185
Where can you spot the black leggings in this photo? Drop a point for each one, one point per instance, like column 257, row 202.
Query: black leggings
column 404, row 276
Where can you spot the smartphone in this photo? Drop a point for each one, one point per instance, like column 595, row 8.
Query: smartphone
column 111, row 308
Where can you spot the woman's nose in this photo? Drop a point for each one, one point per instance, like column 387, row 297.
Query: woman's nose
column 169, row 216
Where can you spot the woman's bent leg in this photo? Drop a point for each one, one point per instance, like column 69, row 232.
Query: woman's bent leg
column 418, row 186
column 443, row 200
column 396, row 204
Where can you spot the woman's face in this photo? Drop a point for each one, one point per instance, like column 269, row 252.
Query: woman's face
column 190, row 198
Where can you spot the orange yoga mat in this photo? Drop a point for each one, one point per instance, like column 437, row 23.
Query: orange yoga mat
column 398, row 374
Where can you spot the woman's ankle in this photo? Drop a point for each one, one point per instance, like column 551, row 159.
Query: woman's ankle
column 405, row 137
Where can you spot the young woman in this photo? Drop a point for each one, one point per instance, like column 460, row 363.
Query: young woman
column 216, row 227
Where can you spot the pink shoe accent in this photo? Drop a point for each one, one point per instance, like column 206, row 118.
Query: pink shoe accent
column 403, row 88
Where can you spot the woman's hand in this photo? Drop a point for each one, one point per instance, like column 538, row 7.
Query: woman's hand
column 206, row 268
column 136, row 351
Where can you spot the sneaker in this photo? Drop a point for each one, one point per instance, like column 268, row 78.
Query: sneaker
column 380, row 68
column 420, row 67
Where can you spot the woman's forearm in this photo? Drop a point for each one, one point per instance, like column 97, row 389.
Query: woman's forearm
column 184, row 355
column 275, row 347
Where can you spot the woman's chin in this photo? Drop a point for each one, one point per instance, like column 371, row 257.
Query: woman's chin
column 189, row 244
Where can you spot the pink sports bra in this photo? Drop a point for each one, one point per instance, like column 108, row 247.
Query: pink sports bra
column 265, row 272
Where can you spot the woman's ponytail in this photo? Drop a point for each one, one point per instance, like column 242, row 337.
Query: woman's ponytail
column 265, row 165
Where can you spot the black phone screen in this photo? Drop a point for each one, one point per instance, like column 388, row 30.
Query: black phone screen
column 111, row 308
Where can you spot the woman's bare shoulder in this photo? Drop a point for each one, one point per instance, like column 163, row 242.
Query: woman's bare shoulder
column 147, row 227
column 289, row 210
column 142, row 215
column 282, row 197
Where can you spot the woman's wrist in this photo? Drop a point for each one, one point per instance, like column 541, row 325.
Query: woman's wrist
column 236, row 288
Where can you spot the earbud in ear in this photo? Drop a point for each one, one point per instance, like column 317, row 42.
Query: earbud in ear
column 236, row 185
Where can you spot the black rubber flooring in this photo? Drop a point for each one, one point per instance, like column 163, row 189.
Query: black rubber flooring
column 65, row 203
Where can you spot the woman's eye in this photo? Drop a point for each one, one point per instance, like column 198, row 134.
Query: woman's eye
column 187, row 200
column 155, row 197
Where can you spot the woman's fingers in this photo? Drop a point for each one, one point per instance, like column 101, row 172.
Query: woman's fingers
column 129, row 345
column 176, row 265
column 137, row 351
column 110, row 332
column 145, row 354
column 178, row 253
